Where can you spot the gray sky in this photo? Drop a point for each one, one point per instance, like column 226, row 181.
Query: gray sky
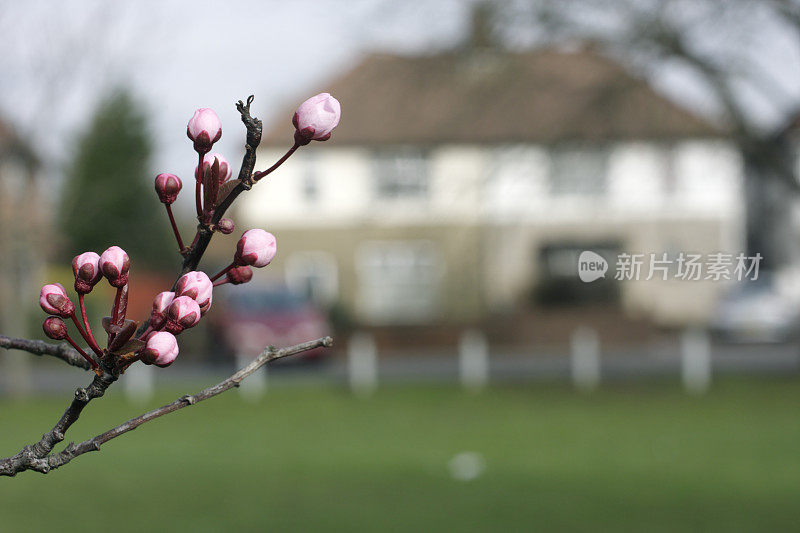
column 181, row 55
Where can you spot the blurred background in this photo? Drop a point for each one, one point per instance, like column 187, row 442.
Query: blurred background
column 476, row 382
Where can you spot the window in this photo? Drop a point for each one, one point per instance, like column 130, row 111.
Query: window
column 558, row 284
column 398, row 281
column 579, row 171
column 401, row 174
column 313, row 275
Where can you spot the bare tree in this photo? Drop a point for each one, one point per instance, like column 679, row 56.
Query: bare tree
column 719, row 45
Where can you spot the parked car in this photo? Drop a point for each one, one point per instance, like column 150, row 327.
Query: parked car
column 249, row 320
column 757, row 311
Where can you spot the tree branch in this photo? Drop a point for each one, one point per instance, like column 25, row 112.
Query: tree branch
column 61, row 351
column 245, row 182
column 37, row 457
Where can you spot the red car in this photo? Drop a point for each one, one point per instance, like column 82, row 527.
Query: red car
column 252, row 319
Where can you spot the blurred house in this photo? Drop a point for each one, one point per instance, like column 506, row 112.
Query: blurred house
column 22, row 232
column 465, row 184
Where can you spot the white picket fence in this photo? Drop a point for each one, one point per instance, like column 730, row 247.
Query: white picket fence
column 474, row 365
column 585, row 361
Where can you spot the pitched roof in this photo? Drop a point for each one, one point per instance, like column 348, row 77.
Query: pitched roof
column 543, row 96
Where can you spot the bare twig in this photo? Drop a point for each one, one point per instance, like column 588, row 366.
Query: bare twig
column 60, row 351
column 33, row 458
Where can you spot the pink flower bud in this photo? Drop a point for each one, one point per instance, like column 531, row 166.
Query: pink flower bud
column 225, row 226
column 55, row 328
column 204, row 129
column 167, row 187
column 160, row 304
column 161, row 349
column 54, row 300
column 224, row 167
column 206, row 306
column 86, row 268
column 239, row 275
column 182, row 313
column 197, row 286
column 316, row 118
column 115, row 264
column 256, row 247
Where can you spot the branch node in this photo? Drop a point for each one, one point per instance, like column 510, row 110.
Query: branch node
column 189, row 399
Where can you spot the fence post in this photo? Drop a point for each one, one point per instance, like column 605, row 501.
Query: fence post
column 473, row 360
column 585, row 358
column 138, row 382
column 362, row 364
column 695, row 361
column 254, row 387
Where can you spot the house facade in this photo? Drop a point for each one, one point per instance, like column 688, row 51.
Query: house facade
column 464, row 185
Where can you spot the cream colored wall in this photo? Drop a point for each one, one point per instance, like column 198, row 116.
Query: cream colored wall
column 697, row 208
column 641, row 212
column 346, row 190
column 343, row 178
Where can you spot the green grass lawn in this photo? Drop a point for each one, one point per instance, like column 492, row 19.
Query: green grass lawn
column 641, row 457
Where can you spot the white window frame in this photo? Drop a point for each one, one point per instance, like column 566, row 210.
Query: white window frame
column 380, row 300
column 413, row 174
column 559, row 157
column 300, row 266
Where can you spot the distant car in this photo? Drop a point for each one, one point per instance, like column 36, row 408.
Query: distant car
column 756, row 312
column 250, row 320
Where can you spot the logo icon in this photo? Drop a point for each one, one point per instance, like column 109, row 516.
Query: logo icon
column 591, row 266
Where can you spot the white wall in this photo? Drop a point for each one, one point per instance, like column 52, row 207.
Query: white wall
column 659, row 197
column 343, row 178
column 709, row 178
column 503, row 184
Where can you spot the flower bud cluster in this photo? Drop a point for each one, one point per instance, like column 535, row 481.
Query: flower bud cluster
column 174, row 312
column 181, row 309
column 88, row 269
